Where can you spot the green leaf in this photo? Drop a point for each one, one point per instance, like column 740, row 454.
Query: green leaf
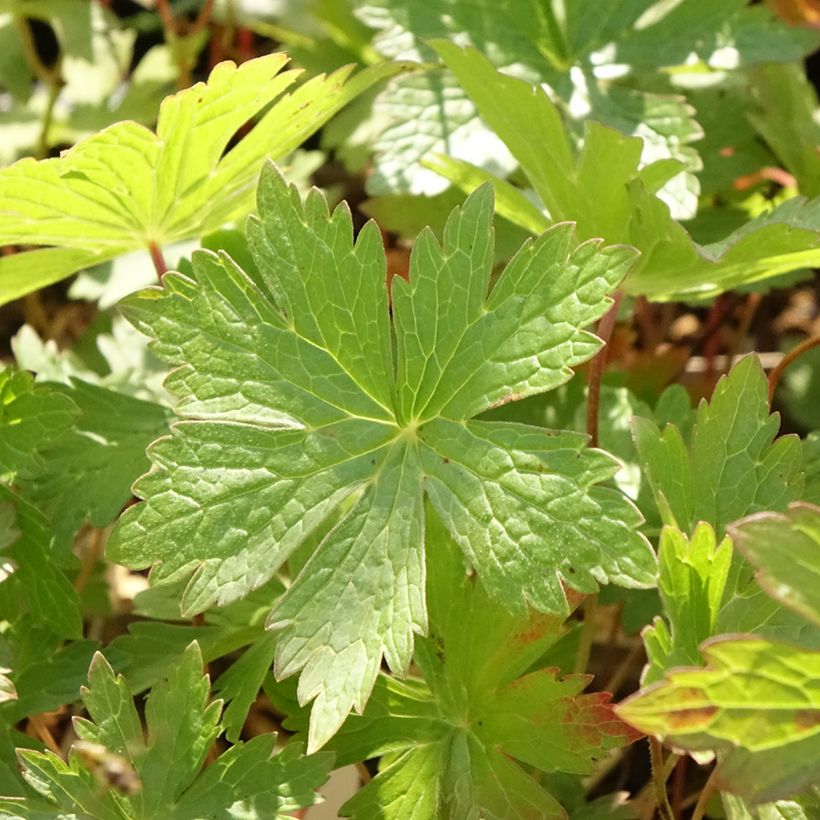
column 28, row 415
column 784, row 95
column 48, row 677
column 158, row 775
column 289, row 405
column 460, row 743
column 128, row 187
column 692, row 578
column 757, row 704
column 785, row 549
column 733, row 465
column 603, row 189
column 37, row 583
column 811, row 460
column 604, row 65
column 91, row 466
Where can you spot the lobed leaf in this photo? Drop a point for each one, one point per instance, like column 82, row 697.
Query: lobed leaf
column 459, row 743
column 290, row 408
column 116, row 771
column 757, row 703
column 733, row 466
column 128, row 187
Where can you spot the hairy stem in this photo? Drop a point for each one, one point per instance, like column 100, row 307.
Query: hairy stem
column 706, row 793
column 659, row 777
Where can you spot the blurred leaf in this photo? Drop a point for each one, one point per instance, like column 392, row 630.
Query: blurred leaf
column 785, row 549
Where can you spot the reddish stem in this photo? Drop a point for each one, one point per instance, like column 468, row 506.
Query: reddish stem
column 596, row 368
column 158, row 259
column 794, row 353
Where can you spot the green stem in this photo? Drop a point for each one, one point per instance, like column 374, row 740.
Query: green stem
column 51, row 78
column 659, row 777
column 705, row 795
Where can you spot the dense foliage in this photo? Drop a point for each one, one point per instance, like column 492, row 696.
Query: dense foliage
column 395, row 387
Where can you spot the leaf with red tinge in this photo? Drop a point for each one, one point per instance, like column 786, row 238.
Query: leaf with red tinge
column 459, row 743
column 756, row 705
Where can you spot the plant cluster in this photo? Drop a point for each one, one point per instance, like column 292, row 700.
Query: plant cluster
column 397, row 384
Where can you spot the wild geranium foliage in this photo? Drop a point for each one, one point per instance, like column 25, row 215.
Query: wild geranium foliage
column 473, row 448
column 289, row 405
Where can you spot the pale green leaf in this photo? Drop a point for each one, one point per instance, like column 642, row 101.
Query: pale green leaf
column 693, row 575
column 785, row 549
column 128, row 187
column 291, row 408
column 757, row 704
column 603, row 189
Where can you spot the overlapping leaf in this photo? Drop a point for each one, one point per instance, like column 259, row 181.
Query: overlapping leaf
column 289, row 405
column 733, row 465
column 74, row 450
column 128, row 187
column 692, row 578
column 457, row 744
column 37, row 586
column 785, row 548
column 599, row 63
column 757, row 704
column 604, row 189
column 159, row 776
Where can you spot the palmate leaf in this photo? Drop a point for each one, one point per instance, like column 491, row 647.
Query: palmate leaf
column 453, row 744
column 128, row 187
column 757, row 704
column 601, row 63
column 289, row 404
column 159, row 775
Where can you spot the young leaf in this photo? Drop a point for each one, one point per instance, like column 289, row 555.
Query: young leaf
column 757, row 704
column 128, row 187
column 785, row 549
column 115, row 771
column 289, row 405
column 692, row 578
column 460, row 743
column 733, row 466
